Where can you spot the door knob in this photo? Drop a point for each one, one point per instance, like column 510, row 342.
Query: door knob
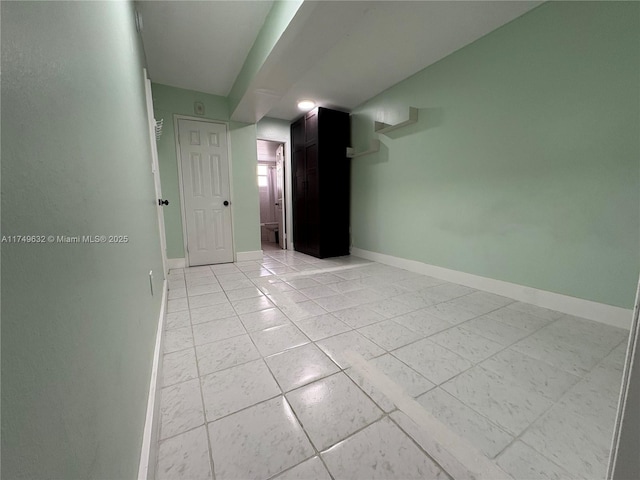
column 163, row 202
column 225, row 203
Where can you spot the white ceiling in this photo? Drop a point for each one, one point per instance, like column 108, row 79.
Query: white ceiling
column 392, row 41
column 337, row 53
column 199, row 45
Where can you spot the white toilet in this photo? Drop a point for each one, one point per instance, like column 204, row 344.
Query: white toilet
column 270, row 231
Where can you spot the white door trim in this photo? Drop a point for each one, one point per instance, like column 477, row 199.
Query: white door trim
column 183, row 215
column 155, row 169
column 287, row 187
column 627, row 414
column 231, row 191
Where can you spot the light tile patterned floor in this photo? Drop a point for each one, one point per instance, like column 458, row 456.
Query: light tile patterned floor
column 256, row 383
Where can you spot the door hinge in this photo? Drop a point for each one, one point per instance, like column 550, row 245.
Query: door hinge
column 178, row 139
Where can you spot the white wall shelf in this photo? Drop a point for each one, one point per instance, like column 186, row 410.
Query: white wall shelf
column 373, row 147
column 385, row 128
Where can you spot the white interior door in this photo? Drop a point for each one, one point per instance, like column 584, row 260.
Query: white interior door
column 280, row 210
column 155, row 171
column 206, row 193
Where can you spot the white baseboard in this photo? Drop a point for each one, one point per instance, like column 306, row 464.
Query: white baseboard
column 248, row 256
column 599, row 312
column 148, row 454
column 176, row 263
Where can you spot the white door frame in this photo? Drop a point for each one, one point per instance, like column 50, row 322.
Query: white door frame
column 183, row 213
column 155, row 169
column 287, row 188
column 627, row 414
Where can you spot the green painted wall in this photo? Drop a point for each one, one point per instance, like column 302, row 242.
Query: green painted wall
column 524, row 165
column 168, row 101
column 278, row 19
column 245, row 196
column 273, row 128
column 78, row 320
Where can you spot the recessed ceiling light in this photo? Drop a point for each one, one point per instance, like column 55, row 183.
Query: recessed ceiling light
column 306, row 104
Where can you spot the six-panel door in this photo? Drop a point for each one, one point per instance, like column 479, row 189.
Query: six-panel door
column 205, row 186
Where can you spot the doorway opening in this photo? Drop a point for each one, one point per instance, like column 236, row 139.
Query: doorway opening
column 271, row 181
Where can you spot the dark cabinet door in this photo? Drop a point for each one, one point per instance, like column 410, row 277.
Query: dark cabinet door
column 312, row 199
column 311, row 126
column 298, row 171
column 299, row 199
column 297, row 134
column 320, row 172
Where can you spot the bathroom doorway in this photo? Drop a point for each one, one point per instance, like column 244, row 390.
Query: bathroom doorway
column 271, row 187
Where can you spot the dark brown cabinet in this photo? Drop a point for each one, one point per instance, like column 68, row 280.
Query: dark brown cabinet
column 321, row 181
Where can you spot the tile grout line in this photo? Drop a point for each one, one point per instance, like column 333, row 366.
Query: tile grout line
column 204, row 407
column 515, row 437
column 418, row 445
column 447, row 441
column 507, row 347
column 343, row 370
column 566, row 392
column 544, row 412
column 281, row 394
column 384, row 349
column 361, row 389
